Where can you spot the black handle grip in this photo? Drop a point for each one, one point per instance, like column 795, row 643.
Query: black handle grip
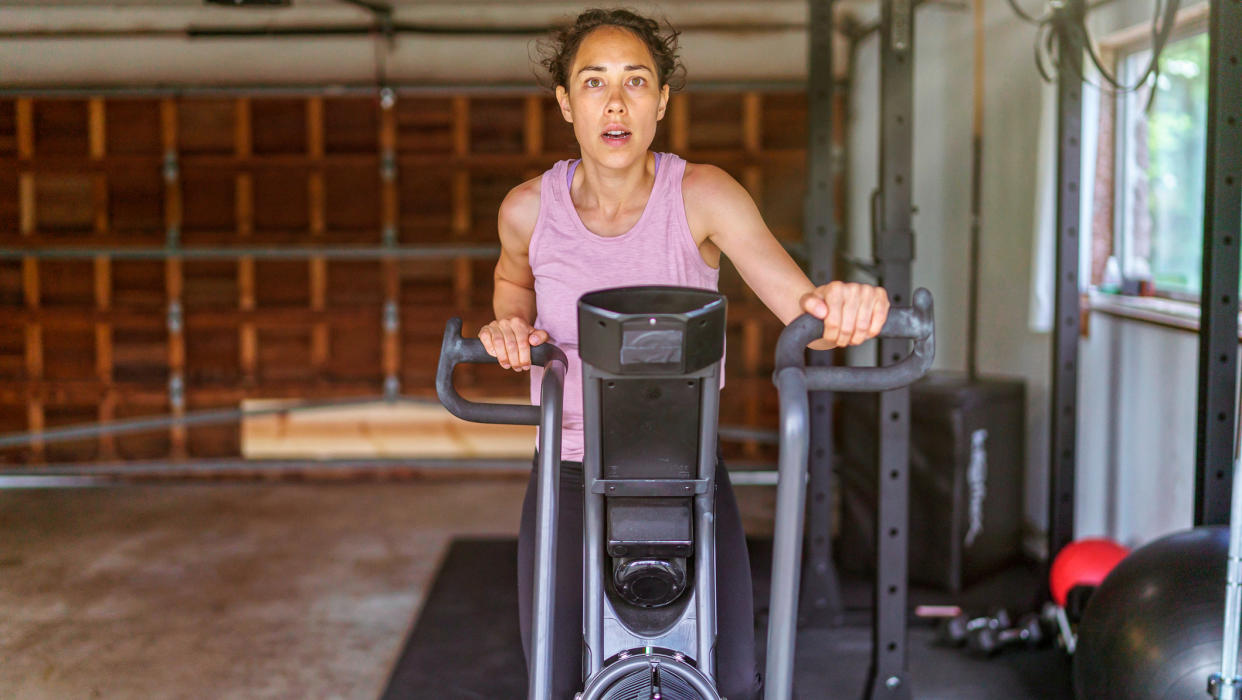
column 456, row 350
column 915, row 322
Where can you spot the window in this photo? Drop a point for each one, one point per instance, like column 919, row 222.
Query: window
column 1161, row 150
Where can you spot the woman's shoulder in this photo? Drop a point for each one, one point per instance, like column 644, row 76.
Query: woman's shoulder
column 520, row 209
column 708, row 186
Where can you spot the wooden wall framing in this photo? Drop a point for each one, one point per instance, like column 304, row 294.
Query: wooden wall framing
column 98, row 339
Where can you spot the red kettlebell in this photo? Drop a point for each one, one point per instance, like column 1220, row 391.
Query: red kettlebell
column 1083, row 563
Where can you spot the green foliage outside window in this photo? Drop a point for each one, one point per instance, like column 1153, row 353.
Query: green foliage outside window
column 1166, row 192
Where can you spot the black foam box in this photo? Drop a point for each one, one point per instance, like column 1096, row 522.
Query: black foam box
column 967, row 453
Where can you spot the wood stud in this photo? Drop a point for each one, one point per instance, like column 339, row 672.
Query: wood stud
column 97, row 128
column 34, row 354
column 173, row 277
column 318, row 272
column 533, row 126
column 35, row 414
column 391, row 347
column 678, row 114
column 532, row 135
column 26, row 151
column 463, row 272
column 752, row 144
column 243, row 144
column 752, row 331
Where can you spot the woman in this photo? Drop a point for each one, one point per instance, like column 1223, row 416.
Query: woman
column 620, row 216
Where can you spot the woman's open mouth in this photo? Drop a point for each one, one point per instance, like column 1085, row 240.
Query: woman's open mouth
column 616, row 137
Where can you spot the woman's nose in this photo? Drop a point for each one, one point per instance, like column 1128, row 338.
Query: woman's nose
column 616, row 102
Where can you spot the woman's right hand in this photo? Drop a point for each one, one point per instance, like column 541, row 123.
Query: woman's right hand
column 509, row 340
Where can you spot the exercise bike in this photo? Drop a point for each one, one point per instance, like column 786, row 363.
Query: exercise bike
column 651, row 362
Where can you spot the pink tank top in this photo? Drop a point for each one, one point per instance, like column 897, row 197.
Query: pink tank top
column 568, row 260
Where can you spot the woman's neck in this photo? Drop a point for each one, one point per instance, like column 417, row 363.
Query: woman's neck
column 611, row 191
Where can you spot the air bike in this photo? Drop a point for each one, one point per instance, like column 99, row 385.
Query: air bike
column 651, row 361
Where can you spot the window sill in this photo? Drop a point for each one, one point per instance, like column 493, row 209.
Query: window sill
column 1168, row 313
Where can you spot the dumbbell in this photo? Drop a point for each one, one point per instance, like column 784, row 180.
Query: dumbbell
column 955, row 630
column 1056, row 624
column 986, row 641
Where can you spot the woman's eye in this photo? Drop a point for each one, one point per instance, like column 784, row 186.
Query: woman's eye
column 594, row 82
column 638, row 81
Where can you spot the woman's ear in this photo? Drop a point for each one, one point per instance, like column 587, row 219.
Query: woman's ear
column 562, row 98
column 663, row 102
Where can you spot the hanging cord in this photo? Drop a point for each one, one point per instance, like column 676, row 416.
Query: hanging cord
column 384, row 32
column 385, row 39
column 1049, row 63
column 1161, row 28
column 1026, row 16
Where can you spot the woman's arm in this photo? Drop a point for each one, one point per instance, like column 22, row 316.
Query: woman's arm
column 723, row 212
column 510, row 337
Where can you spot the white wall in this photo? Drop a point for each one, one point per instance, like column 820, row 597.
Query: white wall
column 1154, row 421
column 1136, row 430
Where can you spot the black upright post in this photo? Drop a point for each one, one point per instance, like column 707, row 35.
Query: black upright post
column 820, row 604
column 894, row 249
column 1218, row 326
column 1063, row 449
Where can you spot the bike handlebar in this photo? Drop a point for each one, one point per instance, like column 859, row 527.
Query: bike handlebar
column 456, row 350
column 915, row 322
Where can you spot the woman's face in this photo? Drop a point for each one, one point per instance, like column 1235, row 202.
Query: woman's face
column 613, row 99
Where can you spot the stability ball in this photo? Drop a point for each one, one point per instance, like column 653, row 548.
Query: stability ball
column 1153, row 628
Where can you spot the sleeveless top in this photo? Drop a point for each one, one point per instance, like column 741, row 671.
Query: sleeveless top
column 568, row 260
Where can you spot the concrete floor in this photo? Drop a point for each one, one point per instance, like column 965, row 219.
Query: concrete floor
column 233, row 590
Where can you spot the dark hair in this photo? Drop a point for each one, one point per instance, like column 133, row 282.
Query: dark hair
column 558, row 49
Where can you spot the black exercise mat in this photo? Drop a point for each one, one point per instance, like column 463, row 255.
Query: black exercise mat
column 466, row 643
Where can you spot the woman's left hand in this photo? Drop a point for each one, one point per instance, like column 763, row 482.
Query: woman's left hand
column 852, row 313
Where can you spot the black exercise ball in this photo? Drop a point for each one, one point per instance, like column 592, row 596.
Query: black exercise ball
column 1153, row 628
